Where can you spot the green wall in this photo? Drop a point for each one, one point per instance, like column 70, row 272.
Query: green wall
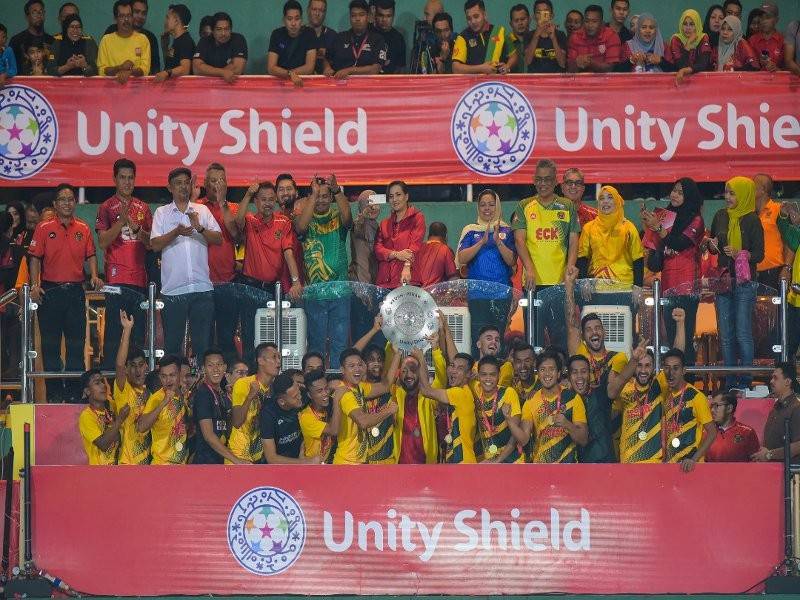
column 255, row 19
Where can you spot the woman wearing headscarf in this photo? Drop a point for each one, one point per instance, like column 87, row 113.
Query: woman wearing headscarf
column 713, row 22
column 689, row 50
column 363, row 264
column 738, row 237
column 609, row 246
column 75, row 53
column 733, row 53
column 486, row 248
column 673, row 236
column 644, row 52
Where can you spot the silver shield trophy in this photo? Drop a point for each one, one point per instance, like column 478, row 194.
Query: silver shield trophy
column 409, row 318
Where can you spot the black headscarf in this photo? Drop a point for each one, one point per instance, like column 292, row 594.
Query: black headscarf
column 691, row 207
column 713, row 36
column 67, row 47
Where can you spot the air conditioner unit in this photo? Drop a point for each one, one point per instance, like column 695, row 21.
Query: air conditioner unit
column 458, row 320
column 618, row 324
column 294, row 333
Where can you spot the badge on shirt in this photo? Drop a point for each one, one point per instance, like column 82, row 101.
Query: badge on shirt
column 473, row 43
column 278, row 234
column 601, row 48
column 561, row 216
column 78, row 236
column 220, row 425
column 737, row 439
column 502, row 235
column 51, row 235
column 138, row 51
column 171, row 52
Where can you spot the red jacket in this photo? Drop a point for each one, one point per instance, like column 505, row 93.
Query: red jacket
column 391, row 237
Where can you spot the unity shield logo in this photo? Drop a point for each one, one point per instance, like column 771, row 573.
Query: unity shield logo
column 493, row 129
column 266, row 530
column 28, row 132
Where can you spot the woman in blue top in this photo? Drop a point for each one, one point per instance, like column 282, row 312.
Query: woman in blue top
column 486, row 249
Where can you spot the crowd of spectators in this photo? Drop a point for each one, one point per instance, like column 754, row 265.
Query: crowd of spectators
column 592, row 40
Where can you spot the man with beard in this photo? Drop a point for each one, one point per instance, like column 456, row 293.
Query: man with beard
column 382, row 448
column 523, row 360
column 690, row 430
column 500, row 435
column 34, row 34
column 556, row 416
column 637, row 398
column 459, row 405
column 129, row 390
column 359, row 426
column 488, row 344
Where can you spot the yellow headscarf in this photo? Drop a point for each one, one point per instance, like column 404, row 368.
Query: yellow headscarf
column 698, row 26
column 608, row 224
column 745, row 190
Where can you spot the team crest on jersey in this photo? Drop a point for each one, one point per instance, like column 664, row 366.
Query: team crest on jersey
column 737, row 439
column 51, row 235
column 28, row 132
column 266, row 530
column 493, row 129
column 78, row 236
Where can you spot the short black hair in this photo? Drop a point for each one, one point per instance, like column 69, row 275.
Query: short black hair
column 577, row 358
column 266, row 185
column 520, row 346
column 119, row 3
column 374, row 348
column 443, row 16
column 177, row 172
column 86, row 376
column 292, row 5
column 220, row 16
column 517, row 8
column 183, row 12
column 473, row 3
column 789, row 371
column 467, row 358
column 213, row 352
column 284, row 177
column 65, row 186
column 309, row 355
column 65, row 5
column 313, row 376
column 386, row 5
column 169, row 360
column 727, row 2
column 628, row 2
column 731, row 397
column 596, row 8
column 550, row 355
column 207, row 21
column 403, row 186
column 489, row 360
column 437, row 229
column 675, row 353
column 592, row 316
column 486, row 328
column 124, row 163
column 358, row 5
column 281, row 385
column 574, row 10
column 135, row 353
column 3, row 29
column 549, row 5
column 347, row 353
column 262, row 347
column 30, row 3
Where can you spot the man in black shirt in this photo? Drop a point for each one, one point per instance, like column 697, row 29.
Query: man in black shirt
column 280, row 426
column 212, row 413
column 317, row 9
column 292, row 48
column 35, row 33
column 139, row 9
column 619, row 14
column 546, row 52
column 356, row 51
column 395, row 42
column 224, row 54
column 178, row 56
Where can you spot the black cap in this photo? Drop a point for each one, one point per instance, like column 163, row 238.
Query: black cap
column 183, row 12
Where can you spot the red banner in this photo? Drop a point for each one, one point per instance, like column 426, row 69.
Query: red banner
column 458, row 129
column 480, row 529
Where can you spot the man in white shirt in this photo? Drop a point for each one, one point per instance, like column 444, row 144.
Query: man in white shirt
column 182, row 231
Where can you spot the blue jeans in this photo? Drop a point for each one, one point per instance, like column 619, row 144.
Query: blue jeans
column 734, row 323
column 328, row 320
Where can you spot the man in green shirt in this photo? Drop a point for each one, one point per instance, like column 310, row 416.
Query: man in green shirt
column 323, row 228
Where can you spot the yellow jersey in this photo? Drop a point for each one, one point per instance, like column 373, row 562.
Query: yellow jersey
column 553, row 444
column 312, row 425
column 245, row 441
column 461, row 426
column 600, row 365
column 493, row 432
column 135, row 447
column 115, row 50
column 685, row 415
column 168, row 444
column 352, row 445
column 642, row 415
column 92, row 424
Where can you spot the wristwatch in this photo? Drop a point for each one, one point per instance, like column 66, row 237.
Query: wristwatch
column 295, row 279
column 201, row 230
column 337, row 191
column 769, row 454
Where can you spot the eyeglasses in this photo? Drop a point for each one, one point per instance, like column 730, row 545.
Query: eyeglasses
column 573, row 182
column 544, row 179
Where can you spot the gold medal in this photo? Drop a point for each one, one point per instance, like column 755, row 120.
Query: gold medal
column 492, row 450
column 551, row 420
column 643, row 435
column 178, row 446
column 417, row 432
column 448, row 439
column 676, row 443
column 375, row 432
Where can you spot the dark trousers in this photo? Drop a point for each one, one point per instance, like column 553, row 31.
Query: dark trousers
column 484, row 312
column 62, row 313
column 226, row 318
column 129, row 300
column 549, row 316
column 793, row 331
column 689, row 305
column 197, row 309
column 771, row 278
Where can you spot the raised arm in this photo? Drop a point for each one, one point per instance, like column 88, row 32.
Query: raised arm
column 121, row 374
column 570, row 311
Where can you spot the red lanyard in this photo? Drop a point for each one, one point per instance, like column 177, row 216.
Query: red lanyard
column 323, row 417
column 488, row 423
column 676, row 419
column 103, row 418
column 357, row 54
column 639, row 397
column 558, row 400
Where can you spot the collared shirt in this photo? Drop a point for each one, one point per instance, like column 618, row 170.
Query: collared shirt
column 433, row 264
column 184, row 262
column 292, row 51
column 63, row 249
column 125, row 257
column 770, row 46
column 324, row 40
column 470, row 47
column 350, row 50
column 773, row 242
column 773, row 427
column 221, row 55
column 115, row 50
column 92, row 424
column 605, row 46
column 222, row 258
column 735, row 443
column 265, row 244
column 155, row 59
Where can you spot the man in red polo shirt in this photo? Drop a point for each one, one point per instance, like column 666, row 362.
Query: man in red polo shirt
column 123, row 229
column 222, row 261
column 268, row 242
column 735, row 442
column 594, row 48
column 573, row 187
column 58, row 251
column 768, row 42
column 434, row 262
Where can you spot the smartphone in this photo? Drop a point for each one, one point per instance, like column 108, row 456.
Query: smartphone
column 543, row 16
column 377, row 199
